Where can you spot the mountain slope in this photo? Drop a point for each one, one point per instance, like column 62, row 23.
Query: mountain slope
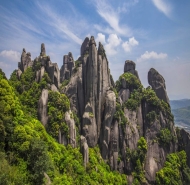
column 176, row 104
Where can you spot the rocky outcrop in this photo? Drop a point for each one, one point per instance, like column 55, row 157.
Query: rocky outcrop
column 42, row 107
column 43, row 50
column 85, row 47
column 157, row 83
column 87, row 89
column 130, row 68
column 67, row 67
column 53, row 72
column 43, row 64
column 25, row 61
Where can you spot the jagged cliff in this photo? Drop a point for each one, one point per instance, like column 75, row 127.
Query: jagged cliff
column 132, row 125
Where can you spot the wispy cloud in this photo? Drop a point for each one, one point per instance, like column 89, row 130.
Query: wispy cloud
column 128, row 45
column 163, row 6
column 11, row 55
column 59, row 22
column 124, row 7
column 111, row 16
column 151, row 55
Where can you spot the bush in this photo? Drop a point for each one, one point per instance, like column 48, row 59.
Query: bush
column 175, row 171
column 165, row 136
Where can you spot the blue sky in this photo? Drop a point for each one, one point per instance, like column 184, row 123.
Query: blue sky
column 152, row 33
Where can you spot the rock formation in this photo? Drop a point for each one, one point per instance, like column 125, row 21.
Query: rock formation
column 106, row 118
column 25, row 61
column 130, row 67
column 67, row 67
column 158, row 84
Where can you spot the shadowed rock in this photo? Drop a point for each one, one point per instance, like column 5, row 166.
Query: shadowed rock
column 84, row 47
column 130, row 67
column 43, row 50
column 67, row 67
column 25, row 61
column 158, row 84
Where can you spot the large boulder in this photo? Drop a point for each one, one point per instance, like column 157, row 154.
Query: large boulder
column 158, row 84
column 130, row 68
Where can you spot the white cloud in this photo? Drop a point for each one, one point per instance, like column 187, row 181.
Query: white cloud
column 151, row 55
column 112, row 42
column 127, row 46
column 11, row 55
column 100, row 38
column 162, row 6
column 111, row 17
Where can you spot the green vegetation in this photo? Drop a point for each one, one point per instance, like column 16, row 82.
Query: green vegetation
column 77, row 64
column 137, row 158
column 132, row 82
column 27, row 151
column 91, row 114
column 175, row 171
column 119, row 114
column 151, row 116
column 28, row 90
column 149, row 96
column 165, row 136
column 58, row 104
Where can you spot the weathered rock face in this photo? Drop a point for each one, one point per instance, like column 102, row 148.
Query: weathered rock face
column 72, row 129
column 109, row 135
column 84, row 150
column 67, row 67
column 158, row 84
column 88, row 87
column 25, row 61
